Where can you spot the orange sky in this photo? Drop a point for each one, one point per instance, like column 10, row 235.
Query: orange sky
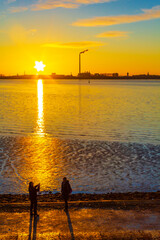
column 121, row 37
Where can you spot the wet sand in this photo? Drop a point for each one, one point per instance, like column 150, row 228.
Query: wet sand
column 91, row 166
column 89, row 218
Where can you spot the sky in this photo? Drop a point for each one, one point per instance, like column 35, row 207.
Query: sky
column 120, row 35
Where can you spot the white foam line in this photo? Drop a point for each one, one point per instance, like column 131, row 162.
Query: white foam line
column 148, row 152
column 12, row 166
column 109, row 148
column 16, row 172
column 4, row 163
column 1, row 150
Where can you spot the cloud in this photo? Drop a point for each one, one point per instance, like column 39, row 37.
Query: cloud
column 51, row 4
column 147, row 14
column 112, row 34
column 17, row 9
column 11, row 1
column 73, row 44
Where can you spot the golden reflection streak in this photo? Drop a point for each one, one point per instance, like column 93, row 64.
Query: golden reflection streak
column 41, row 161
column 40, row 120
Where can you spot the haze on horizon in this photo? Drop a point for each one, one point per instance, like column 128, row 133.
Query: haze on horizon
column 121, row 35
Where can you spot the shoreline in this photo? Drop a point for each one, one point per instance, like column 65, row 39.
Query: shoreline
column 76, row 139
column 50, row 197
column 83, row 78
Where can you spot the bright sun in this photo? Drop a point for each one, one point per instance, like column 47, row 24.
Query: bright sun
column 39, row 66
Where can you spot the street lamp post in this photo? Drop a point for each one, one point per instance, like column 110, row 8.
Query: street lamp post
column 80, row 60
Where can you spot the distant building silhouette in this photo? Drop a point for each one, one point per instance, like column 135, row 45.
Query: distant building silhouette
column 85, row 75
column 115, row 75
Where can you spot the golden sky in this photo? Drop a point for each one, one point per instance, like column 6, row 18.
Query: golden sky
column 122, row 36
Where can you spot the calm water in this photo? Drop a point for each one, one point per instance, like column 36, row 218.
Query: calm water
column 104, row 136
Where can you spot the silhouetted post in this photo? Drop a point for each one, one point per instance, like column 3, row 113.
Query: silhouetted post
column 80, row 60
column 79, row 63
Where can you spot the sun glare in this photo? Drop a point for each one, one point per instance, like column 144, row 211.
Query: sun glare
column 39, row 66
column 40, row 121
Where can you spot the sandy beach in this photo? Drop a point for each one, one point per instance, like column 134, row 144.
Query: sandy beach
column 89, row 217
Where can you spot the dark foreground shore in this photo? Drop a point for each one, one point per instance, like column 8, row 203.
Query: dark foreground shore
column 125, row 201
column 118, row 216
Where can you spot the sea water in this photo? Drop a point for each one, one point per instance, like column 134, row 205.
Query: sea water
column 104, row 135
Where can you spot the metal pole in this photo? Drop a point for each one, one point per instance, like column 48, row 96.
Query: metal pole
column 80, row 60
column 79, row 63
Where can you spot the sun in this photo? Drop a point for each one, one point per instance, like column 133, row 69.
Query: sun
column 39, row 66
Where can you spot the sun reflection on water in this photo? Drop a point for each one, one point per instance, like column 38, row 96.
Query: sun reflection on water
column 40, row 120
column 40, row 160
